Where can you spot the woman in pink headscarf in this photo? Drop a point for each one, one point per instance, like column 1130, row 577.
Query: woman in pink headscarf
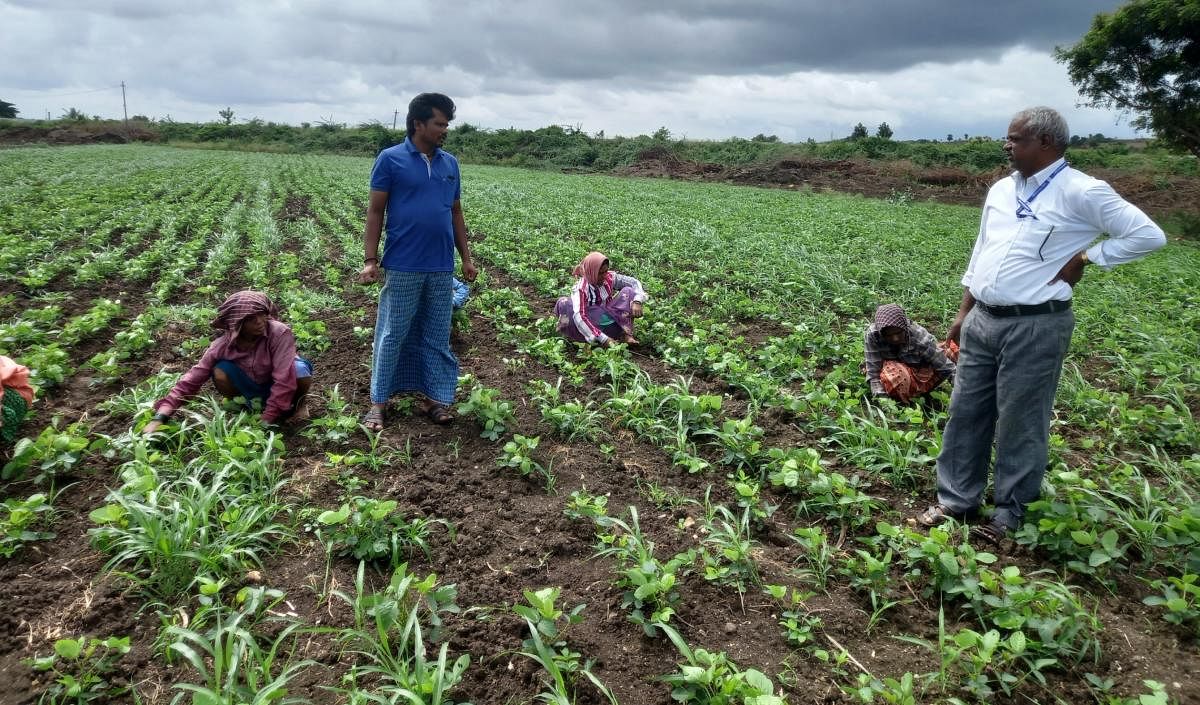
column 16, row 396
column 602, row 304
column 254, row 358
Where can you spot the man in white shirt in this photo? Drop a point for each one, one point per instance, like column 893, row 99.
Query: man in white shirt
column 1014, row 325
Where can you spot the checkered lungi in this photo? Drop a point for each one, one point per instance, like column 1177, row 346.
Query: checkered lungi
column 412, row 338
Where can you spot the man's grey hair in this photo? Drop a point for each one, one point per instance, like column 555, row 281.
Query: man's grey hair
column 1042, row 120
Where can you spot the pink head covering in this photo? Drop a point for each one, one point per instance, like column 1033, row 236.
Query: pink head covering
column 240, row 306
column 589, row 267
column 16, row 376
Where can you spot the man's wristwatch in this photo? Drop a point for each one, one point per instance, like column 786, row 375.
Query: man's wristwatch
column 371, row 259
column 161, row 417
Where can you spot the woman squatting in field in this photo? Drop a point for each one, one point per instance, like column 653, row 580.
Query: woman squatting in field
column 17, row 398
column 254, row 358
column 602, row 304
column 903, row 360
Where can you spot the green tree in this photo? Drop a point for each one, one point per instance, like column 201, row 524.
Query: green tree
column 1144, row 59
column 884, row 131
column 226, row 115
column 8, row 110
column 860, row 132
column 74, row 115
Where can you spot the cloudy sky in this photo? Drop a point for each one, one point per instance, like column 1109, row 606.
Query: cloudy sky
column 705, row 69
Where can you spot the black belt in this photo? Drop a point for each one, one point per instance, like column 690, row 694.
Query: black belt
column 1052, row 306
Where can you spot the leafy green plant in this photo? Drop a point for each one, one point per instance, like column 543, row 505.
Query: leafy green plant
column 728, row 549
column 584, row 505
column 84, row 670
column 650, row 585
column 547, row 646
column 337, row 425
column 22, row 522
column 234, row 664
column 1180, row 597
column 389, row 639
column 749, row 498
column 871, row 574
column 494, row 414
column 944, row 555
column 54, row 453
column 183, row 528
column 817, row 553
column 371, row 529
column 706, row 677
column 799, row 624
column 518, row 455
column 741, row 441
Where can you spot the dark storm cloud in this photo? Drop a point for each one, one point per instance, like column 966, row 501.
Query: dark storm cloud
column 707, row 68
column 651, row 42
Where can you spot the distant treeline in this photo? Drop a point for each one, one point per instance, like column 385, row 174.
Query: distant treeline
column 559, row 147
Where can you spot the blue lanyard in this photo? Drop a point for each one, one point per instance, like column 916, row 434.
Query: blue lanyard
column 1023, row 209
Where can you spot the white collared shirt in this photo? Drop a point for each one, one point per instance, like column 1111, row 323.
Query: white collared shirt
column 1014, row 259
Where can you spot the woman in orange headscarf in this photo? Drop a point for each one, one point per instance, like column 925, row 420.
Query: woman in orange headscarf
column 17, row 397
column 602, row 304
column 254, row 358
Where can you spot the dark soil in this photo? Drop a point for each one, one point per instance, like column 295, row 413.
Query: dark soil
column 511, row 536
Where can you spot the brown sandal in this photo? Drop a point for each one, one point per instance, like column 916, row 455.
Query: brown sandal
column 439, row 414
column 373, row 420
column 991, row 533
column 939, row 514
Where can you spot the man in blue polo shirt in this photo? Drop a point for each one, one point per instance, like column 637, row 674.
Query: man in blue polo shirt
column 416, row 185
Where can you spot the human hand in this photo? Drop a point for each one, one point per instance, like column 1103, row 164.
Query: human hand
column 636, row 309
column 954, row 332
column 369, row 273
column 1072, row 271
column 469, row 271
column 156, row 421
column 630, row 340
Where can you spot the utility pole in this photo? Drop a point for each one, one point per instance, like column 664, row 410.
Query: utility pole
column 395, row 114
column 125, row 108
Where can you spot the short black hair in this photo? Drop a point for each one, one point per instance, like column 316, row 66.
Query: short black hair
column 421, row 109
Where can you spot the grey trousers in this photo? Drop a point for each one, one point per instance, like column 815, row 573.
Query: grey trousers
column 1008, row 371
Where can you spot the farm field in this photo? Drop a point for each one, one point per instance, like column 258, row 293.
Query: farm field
column 723, row 500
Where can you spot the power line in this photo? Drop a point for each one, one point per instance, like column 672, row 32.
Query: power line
column 63, row 95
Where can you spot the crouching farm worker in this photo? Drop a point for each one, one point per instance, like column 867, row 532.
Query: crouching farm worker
column 254, row 358
column 18, row 397
column 1015, row 320
column 903, row 360
column 602, row 304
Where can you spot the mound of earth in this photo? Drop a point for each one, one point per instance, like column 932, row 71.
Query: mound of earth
column 1157, row 194
column 75, row 134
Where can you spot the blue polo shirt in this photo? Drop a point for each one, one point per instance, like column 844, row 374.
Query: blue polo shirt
column 420, row 231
